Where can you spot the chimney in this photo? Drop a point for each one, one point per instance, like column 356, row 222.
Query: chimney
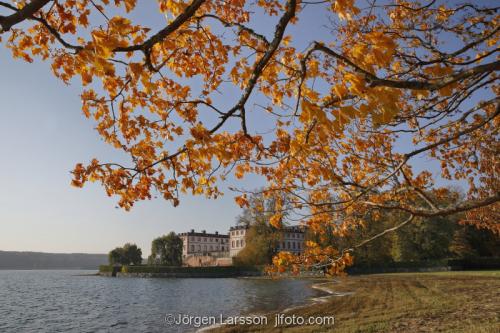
column 203, row 231
column 192, row 231
column 216, row 232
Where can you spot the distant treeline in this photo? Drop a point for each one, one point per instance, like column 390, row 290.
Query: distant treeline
column 423, row 240
column 41, row 260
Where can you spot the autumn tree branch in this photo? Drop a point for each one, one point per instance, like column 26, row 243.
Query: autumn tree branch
column 374, row 81
column 165, row 32
column 462, row 207
column 262, row 62
column 257, row 71
column 7, row 22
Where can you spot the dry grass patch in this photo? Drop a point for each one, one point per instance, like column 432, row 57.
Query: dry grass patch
column 410, row 302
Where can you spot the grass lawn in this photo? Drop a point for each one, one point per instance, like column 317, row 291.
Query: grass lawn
column 406, row 302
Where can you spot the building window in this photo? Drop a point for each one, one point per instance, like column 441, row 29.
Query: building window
column 232, row 244
column 242, row 243
column 288, row 245
column 199, row 248
column 237, row 243
column 199, row 239
column 298, row 246
column 192, row 248
column 293, row 245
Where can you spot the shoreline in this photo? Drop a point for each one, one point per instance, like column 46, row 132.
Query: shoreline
column 400, row 302
column 153, row 271
column 308, row 302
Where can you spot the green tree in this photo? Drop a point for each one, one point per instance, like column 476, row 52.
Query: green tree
column 261, row 238
column 133, row 254
column 472, row 242
column 376, row 251
column 166, row 250
column 261, row 243
column 129, row 254
column 116, row 256
column 428, row 238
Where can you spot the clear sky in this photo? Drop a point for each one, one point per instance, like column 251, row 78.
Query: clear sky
column 43, row 133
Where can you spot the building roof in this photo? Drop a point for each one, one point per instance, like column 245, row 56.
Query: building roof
column 291, row 228
column 294, row 228
column 203, row 233
column 239, row 227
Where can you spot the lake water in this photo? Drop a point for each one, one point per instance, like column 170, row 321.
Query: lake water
column 62, row 301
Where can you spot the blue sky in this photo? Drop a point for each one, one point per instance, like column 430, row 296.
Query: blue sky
column 42, row 135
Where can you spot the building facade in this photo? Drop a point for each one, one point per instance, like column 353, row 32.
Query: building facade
column 203, row 243
column 237, row 239
column 206, row 249
column 292, row 240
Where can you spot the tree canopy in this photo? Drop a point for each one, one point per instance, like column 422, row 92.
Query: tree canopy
column 261, row 238
column 393, row 82
column 166, row 250
column 126, row 255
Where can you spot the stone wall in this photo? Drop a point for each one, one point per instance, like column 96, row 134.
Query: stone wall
column 206, row 260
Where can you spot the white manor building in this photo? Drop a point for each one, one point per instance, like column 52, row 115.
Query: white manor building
column 237, row 239
column 292, row 239
column 202, row 248
column 203, row 243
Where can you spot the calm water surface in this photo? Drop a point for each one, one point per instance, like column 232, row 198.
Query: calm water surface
column 61, row 301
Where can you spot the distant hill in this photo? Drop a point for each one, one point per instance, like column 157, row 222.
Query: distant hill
column 41, row 260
